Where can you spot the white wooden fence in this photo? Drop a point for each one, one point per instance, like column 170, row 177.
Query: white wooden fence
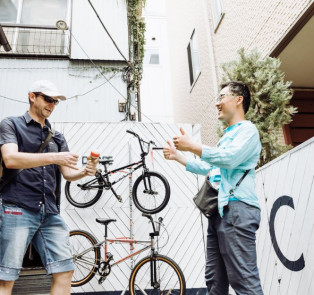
column 285, row 240
column 182, row 220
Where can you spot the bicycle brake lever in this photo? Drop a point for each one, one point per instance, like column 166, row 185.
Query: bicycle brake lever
column 160, row 219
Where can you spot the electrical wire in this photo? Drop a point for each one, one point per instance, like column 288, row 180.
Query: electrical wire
column 96, row 66
column 114, row 43
column 107, row 80
column 71, row 97
column 89, row 91
column 12, row 99
column 98, row 69
column 41, row 68
column 101, row 73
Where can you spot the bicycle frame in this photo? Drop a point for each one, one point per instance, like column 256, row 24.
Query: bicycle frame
column 126, row 240
column 105, row 177
column 123, row 240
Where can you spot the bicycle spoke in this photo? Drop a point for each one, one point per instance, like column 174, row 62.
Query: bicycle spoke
column 83, row 192
column 154, row 196
column 85, row 264
column 85, row 261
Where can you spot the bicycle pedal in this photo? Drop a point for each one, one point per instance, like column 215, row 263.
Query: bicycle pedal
column 101, row 280
column 119, row 199
column 109, row 256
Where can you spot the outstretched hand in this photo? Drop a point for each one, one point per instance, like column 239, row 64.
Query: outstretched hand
column 170, row 152
column 67, row 159
column 183, row 142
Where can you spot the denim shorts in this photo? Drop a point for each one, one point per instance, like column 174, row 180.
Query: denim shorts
column 48, row 233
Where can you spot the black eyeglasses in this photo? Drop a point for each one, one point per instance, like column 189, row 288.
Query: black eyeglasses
column 223, row 95
column 49, row 99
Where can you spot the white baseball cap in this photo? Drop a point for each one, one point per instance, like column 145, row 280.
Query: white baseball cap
column 47, row 88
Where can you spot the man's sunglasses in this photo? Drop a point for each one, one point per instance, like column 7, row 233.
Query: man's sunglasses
column 48, row 98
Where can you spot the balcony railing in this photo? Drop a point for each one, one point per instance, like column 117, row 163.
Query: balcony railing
column 36, row 40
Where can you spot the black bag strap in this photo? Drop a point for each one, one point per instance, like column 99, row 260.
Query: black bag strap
column 239, row 182
column 41, row 148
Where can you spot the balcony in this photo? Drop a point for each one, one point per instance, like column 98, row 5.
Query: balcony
column 36, row 41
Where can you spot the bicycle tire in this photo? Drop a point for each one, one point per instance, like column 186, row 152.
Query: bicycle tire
column 173, row 281
column 86, row 266
column 75, row 198
column 147, row 204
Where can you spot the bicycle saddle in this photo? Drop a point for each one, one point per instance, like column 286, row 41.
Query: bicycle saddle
column 105, row 221
column 106, row 160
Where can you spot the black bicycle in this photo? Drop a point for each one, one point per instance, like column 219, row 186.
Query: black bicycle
column 150, row 192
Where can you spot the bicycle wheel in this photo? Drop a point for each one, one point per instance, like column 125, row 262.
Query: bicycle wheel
column 169, row 278
column 151, row 192
column 86, row 265
column 83, row 197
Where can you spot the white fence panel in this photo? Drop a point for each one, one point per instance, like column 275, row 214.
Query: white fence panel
column 286, row 194
column 182, row 220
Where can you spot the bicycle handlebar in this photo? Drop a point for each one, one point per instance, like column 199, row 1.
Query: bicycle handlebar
column 141, row 140
column 131, row 132
column 160, row 219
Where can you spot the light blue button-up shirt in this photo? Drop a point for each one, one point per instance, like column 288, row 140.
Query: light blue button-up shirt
column 237, row 151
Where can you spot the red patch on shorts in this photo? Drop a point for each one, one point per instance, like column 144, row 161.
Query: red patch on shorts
column 13, row 211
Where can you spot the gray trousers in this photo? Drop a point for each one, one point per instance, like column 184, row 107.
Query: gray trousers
column 231, row 251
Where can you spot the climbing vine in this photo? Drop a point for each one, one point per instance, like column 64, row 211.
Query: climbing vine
column 111, row 70
column 137, row 30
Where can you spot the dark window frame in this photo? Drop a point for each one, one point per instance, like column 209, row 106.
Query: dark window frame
column 192, row 66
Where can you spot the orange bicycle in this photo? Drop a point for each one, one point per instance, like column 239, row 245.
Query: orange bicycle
column 154, row 274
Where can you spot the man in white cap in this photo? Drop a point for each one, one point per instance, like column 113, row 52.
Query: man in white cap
column 29, row 211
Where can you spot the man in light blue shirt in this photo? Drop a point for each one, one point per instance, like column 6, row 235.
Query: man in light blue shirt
column 231, row 248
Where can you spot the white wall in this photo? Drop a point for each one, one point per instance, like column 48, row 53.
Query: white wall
column 88, row 31
column 73, row 79
column 156, row 96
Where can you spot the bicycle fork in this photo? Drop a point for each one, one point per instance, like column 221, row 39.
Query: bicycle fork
column 147, row 184
column 153, row 265
column 153, row 273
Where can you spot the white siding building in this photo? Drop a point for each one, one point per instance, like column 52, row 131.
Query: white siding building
column 79, row 60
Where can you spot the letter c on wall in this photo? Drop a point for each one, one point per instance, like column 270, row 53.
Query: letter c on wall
column 296, row 265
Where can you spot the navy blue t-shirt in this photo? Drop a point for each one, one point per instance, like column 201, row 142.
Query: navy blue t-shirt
column 34, row 186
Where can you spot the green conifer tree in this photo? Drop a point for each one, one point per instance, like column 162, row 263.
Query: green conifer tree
column 270, row 98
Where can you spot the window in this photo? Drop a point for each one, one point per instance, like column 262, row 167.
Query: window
column 217, row 13
column 151, row 57
column 193, row 59
column 30, row 26
column 33, row 12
